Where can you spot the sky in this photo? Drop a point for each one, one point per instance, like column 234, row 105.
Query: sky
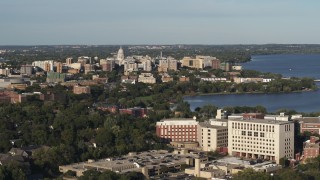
column 122, row 22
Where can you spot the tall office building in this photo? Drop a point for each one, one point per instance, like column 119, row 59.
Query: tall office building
column 261, row 138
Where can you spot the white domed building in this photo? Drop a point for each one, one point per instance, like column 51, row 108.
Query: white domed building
column 120, row 56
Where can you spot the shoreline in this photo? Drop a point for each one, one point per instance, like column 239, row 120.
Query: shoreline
column 232, row 93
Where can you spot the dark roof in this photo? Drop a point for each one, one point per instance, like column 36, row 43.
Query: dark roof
column 309, row 119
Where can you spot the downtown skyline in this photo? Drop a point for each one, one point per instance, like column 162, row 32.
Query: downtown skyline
column 117, row 22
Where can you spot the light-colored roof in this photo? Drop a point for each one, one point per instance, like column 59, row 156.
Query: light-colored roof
column 262, row 121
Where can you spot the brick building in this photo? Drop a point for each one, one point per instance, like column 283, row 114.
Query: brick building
column 310, row 124
column 311, row 148
column 136, row 111
column 181, row 130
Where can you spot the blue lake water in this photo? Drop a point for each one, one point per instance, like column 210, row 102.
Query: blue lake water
column 288, row 66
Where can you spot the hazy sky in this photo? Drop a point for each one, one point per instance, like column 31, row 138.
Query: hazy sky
column 99, row 22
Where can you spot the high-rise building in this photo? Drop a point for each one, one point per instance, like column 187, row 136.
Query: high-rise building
column 58, row 67
column 88, row 68
column 26, row 69
column 69, row 61
column 261, row 139
column 147, row 65
column 107, row 64
column 44, row 65
column 216, row 64
column 54, row 77
column 167, row 64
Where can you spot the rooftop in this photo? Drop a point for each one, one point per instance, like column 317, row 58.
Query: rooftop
column 309, row 119
column 262, row 121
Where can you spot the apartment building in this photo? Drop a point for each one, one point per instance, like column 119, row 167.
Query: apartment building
column 311, row 148
column 213, row 135
column 81, row 89
column 192, row 63
column 181, row 130
column 146, row 78
column 261, row 138
column 167, row 64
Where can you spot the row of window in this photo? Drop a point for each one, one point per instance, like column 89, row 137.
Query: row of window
column 250, row 146
column 250, row 138
column 249, row 133
column 253, row 150
column 254, row 127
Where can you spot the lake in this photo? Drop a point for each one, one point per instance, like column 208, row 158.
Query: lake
column 288, row 66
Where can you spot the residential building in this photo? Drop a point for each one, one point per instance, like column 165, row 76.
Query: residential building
column 167, row 64
column 129, row 79
column 84, row 60
column 107, row 64
column 206, row 60
column 81, row 89
column 130, row 66
column 88, row 68
column 58, row 67
column 147, row 65
column 192, row 63
column 213, row 135
column 26, row 70
column 261, row 139
column 51, row 96
column 166, row 78
column 69, row 61
column 311, row 148
column 176, row 129
column 46, row 65
column 216, row 64
column 136, row 111
column 184, row 79
column 146, row 78
column 213, row 79
column 55, row 77
column 225, row 66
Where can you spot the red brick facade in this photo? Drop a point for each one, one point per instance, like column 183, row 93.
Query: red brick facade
column 177, row 133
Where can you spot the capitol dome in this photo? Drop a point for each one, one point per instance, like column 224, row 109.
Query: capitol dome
column 120, row 55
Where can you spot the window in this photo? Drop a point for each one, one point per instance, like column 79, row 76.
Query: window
column 255, row 134
column 243, row 133
column 261, row 134
column 249, row 133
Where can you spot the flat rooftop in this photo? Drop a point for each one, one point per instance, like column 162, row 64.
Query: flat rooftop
column 309, row 119
column 262, row 121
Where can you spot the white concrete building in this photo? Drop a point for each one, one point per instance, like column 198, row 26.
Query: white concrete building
column 213, row 134
column 261, row 138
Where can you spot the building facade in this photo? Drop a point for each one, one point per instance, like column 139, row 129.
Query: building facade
column 177, row 130
column 146, row 78
column 309, row 124
column 260, row 138
column 213, row 135
column 311, row 148
column 81, row 89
